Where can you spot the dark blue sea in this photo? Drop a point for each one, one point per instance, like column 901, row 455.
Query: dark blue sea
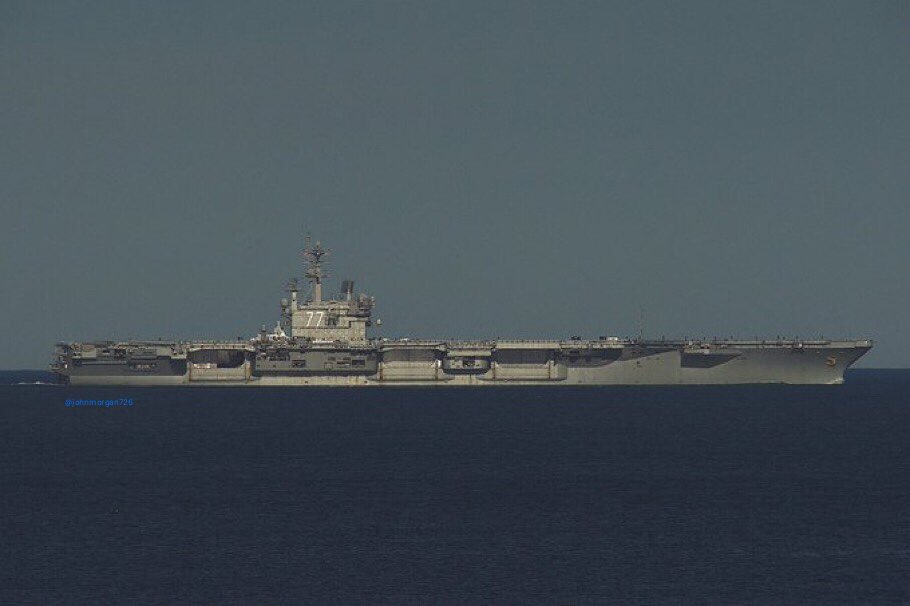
column 734, row 494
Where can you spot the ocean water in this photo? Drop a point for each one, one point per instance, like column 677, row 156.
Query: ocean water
column 734, row 494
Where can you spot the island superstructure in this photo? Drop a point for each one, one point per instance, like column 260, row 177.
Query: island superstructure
column 326, row 342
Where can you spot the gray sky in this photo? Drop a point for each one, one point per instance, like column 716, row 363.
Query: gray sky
column 485, row 169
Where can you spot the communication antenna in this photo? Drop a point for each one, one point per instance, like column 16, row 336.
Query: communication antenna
column 314, row 254
column 641, row 323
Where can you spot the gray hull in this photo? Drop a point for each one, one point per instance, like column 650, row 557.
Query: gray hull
column 440, row 363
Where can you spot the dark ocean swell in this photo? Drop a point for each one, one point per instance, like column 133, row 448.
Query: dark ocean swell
column 760, row 494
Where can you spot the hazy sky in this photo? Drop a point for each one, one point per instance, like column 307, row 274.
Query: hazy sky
column 485, row 169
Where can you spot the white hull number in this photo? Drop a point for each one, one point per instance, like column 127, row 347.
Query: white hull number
column 318, row 315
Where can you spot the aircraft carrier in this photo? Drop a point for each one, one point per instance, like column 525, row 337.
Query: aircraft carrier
column 326, row 342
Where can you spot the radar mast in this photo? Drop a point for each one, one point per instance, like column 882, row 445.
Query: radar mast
column 314, row 253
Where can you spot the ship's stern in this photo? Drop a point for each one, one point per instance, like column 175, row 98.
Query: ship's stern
column 63, row 363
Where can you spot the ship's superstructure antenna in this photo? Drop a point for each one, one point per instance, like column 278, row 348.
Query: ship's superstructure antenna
column 314, row 253
column 286, row 306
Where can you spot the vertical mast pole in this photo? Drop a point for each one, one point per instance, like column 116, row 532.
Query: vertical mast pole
column 313, row 255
